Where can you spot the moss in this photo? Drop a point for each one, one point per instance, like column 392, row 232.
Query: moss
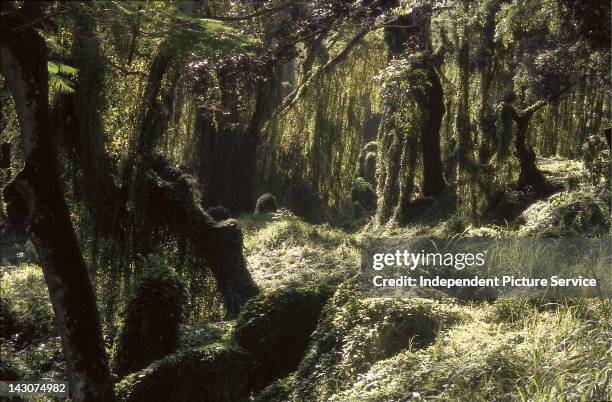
column 213, row 373
column 266, row 204
column 354, row 333
column 565, row 214
column 363, row 193
column 275, row 327
column 150, row 329
column 278, row 391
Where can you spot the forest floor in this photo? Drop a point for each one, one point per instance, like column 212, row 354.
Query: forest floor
column 376, row 349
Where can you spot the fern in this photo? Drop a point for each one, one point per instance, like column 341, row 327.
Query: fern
column 58, row 73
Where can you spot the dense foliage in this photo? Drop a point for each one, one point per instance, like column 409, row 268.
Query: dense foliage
column 204, row 160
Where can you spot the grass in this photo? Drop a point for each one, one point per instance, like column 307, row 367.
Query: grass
column 559, row 355
column 283, row 250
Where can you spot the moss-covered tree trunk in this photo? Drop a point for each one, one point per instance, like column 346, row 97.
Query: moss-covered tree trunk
column 465, row 165
column 409, row 37
column 529, row 175
column 219, row 244
column 72, row 296
column 433, row 112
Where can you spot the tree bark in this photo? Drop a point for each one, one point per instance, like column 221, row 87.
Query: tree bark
column 65, row 271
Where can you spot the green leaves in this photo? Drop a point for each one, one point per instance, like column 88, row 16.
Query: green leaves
column 204, row 36
column 59, row 75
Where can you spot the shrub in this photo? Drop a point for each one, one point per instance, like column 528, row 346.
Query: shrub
column 363, row 193
column 356, row 332
column 150, row 329
column 266, row 204
column 213, row 373
column 26, row 307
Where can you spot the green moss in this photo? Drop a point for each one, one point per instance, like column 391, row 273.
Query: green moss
column 213, row 373
column 354, row 333
column 278, row 391
column 275, row 327
column 150, row 329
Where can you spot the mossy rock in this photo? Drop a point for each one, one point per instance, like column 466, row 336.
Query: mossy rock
column 213, row 373
column 275, row 328
column 219, row 213
column 150, row 329
column 266, row 204
column 355, row 332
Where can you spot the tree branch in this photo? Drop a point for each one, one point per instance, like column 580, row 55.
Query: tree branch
column 297, row 93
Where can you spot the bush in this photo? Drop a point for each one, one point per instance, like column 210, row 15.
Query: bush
column 150, row 329
column 354, row 333
column 367, row 163
column 266, row 204
column 565, row 214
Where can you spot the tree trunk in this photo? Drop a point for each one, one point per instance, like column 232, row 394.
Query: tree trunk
column 530, row 175
column 228, row 154
column 465, row 164
column 433, row 112
column 70, row 290
column 219, row 244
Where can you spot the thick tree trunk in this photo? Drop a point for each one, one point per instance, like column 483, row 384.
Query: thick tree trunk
column 397, row 155
column 529, row 175
column 219, row 244
column 228, row 154
column 70, row 290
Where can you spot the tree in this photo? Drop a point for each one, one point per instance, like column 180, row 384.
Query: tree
column 70, row 290
column 408, row 39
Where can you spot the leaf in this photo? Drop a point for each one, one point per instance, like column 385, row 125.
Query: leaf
column 56, row 81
